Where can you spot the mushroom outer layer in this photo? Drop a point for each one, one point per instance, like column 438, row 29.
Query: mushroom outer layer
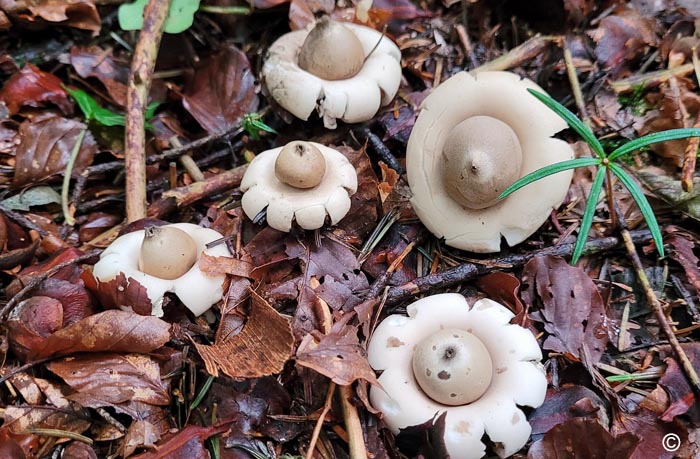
column 352, row 100
column 518, row 378
column 286, row 203
column 198, row 291
column 504, row 96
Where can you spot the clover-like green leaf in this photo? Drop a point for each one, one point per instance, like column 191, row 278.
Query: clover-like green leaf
column 643, row 204
column 572, row 120
column 588, row 214
column 656, row 137
column 548, row 170
column 180, row 17
column 93, row 112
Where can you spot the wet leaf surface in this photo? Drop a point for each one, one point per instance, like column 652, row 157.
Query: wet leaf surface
column 222, row 91
column 33, row 87
column 45, row 149
column 573, row 313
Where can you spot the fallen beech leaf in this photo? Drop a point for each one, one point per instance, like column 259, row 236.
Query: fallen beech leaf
column 337, row 356
column 81, row 14
column 675, row 383
column 45, row 149
column 13, row 258
column 573, row 313
column 621, row 38
column 221, row 91
column 105, row 379
column 362, row 216
column 425, row 440
column 261, row 348
column 651, row 431
column 583, row 438
column 186, row 444
column 31, row 87
column 389, row 179
column 504, row 288
column 77, row 449
column 31, row 322
column 113, row 330
column 225, row 265
column 124, row 293
column 101, row 64
column 10, row 449
column 565, row 404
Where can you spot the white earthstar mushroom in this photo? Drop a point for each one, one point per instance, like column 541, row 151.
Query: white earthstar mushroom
column 475, row 135
column 164, row 259
column 343, row 71
column 302, row 182
column 468, row 362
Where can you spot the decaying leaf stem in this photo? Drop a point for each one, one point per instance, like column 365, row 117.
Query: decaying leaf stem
column 140, row 77
column 356, row 437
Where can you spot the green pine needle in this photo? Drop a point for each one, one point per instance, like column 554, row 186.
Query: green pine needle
column 548, row 170
column 588, row 214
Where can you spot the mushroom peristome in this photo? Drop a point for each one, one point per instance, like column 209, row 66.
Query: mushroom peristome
column 272, row 184
column 475, row 135
column 516, row 376
column 197, row 290
column 349, row 97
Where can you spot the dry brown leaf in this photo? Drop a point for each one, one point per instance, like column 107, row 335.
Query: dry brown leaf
column 32, row 87
column 107, row 379
column 583, row 438
column 45, row 149
column 261, row 348
column 337, row 356
column 113, row 330
column 225, row 265
column 573, row 312
column 221, row 91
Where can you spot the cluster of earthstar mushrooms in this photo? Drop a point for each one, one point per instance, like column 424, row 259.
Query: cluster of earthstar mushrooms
column 475, row 135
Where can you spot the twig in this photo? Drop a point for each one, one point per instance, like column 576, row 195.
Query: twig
column 520, row 54
column 575, row 85
column 356, row 438
column 467, row 271
column 187, row 162
column 22, row 220
column 319, row 421
column 466, row 43
column 689, row 160
column 655, row 304
column 647, row 80
column 140, row 77
column 65, row 188
column 380, row 149
column 39, row 278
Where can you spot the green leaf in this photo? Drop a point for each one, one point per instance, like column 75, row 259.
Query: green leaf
column 253, row 123
column 93, row 112
column 37, row 196
column 643, row 204
column 572, row 120
column 180, row 16
column 151, row 109
column 663, row 136
column 548, row 170
column 588, row 215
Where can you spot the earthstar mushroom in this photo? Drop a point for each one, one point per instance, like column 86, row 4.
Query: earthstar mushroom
column 302, row 182
column 160, row 259
column 488, row 366
column 475, row 135
column 343, row 71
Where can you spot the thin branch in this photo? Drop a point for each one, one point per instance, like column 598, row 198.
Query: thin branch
column 140, row 78
column 468, row 271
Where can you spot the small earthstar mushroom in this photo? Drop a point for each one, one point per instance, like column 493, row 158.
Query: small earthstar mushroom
column 475, row 135
column 343, row 71
column 302, row 182
column 470, row 363
column 164, row 259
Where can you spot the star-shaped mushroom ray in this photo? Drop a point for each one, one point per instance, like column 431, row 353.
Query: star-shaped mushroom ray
column 285, row 204
column 517, row 378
